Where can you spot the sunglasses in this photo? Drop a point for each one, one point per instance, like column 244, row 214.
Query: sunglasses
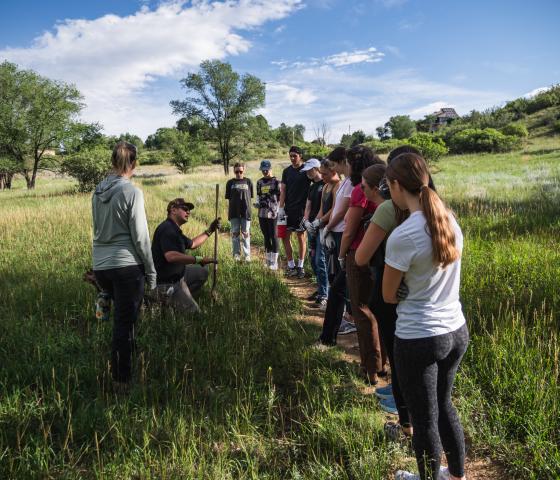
column 238, row 171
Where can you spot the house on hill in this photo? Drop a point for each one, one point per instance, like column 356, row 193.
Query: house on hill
column 442, row 118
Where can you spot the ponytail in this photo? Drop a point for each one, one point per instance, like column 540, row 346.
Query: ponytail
column 124, row 156
column 411, row 171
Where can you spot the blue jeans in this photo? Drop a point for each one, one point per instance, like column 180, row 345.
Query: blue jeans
column 240, row 236
column 319, row 264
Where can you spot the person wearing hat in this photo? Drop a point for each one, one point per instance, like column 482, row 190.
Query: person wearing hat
column 312, row 208
column 268, row 193
column 239, row 192
column 180, row 275
column 294, row 189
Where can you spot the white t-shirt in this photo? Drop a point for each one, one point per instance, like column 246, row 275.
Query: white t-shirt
column 432, row 306
column 344, row 191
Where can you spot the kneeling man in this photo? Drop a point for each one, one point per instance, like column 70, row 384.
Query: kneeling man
column 180, row 275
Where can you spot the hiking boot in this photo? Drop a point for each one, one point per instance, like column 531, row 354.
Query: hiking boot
column 300, row 273
column 346, row 327
column 291, row 272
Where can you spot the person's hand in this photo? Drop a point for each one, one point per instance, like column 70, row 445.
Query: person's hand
column 209, row 260
column 329, row 243
column 316, row 224
column 215, row 225
column 151, row 282
column 342, row 262
column 402, row 291
column 309, row 227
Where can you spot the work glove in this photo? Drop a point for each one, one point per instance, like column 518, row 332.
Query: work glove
column 322, row 234
column 342, row 262
column 215, row 225
column 402, row 291
column 209, row 260
column 309, row 227
column 316, row 224
column 329, row 242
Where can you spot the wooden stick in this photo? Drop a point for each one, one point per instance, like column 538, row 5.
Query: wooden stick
column 216, row 235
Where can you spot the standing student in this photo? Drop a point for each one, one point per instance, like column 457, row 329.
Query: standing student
column 431, row 336
column 312, row 208
column 360, row 279
column 122, row 258
column 294, row 189
column 371, row 253
column 239, row 192
column 268, row 194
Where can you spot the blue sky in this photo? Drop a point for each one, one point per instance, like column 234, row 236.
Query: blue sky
column 351, row 64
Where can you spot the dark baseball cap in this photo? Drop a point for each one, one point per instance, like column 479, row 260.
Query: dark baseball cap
column 179, row 203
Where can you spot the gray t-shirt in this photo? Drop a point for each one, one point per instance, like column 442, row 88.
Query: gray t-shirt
column 432, row 306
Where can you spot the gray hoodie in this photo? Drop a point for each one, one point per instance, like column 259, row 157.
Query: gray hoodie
column 120, row 228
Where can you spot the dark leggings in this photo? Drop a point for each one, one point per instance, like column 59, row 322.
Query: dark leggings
column 126, row 287
column 426, row 369
column 268, row 229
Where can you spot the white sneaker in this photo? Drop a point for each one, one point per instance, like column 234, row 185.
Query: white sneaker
column 403, row 475
column 237, row 258
column 248, row 259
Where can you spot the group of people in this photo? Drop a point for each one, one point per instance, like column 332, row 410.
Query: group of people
column 384, row 249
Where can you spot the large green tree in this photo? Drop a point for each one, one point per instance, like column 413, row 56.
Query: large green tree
column 35, row 115
column 224, row 100
column 401, row 126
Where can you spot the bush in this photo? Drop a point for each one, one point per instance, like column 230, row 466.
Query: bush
column 432, row 148
column 188, row 152
column 88, row 167
column 384, row 146
column 154, row 157
column 516, row 129
column 475, row 140
column 314, row 150
column 556, row 126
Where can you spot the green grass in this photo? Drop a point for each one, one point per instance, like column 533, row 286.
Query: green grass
column 237, row 392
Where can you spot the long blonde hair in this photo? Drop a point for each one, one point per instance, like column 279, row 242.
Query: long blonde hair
column 411, row 171
column 124, row 156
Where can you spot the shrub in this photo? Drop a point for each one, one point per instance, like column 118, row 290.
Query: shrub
column 432, row 148
column 384, row 146
column 314, row 150
column 556, row 126
column 516, row 129
column 474, row 140
column 154, row 157
column 88, row 167
column 188, row 152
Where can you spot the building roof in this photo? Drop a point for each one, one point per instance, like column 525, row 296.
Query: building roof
column 446, row 112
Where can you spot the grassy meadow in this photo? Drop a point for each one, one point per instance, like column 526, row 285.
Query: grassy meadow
column 237, row 392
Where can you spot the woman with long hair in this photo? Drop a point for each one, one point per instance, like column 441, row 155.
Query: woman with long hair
column 431, row 334
column 359, row 278
column 122, row 256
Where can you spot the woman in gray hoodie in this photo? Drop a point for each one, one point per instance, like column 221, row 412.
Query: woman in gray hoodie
column 122, row 256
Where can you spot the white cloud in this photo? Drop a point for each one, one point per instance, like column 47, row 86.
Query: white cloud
column 112, row 59
column 429, row 109
column 535, row 92
column 342, row 59
column 289, row 94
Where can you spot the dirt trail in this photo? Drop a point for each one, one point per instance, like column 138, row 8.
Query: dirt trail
column 476, row 468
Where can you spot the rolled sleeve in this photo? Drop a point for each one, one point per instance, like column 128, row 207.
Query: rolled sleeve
column 400, row 251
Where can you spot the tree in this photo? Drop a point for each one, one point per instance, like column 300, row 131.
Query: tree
column 188, row 152
column 224, row 100
column 356, row 138
column 35, row 115
column 83, row 136
column 287, row 135
column 321, row 131
column 88, row 166
column 383, row 132
column 401, row 126
column 8, row 168
column 425, row 124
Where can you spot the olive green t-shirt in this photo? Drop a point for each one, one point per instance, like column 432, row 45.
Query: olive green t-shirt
column 385, row 216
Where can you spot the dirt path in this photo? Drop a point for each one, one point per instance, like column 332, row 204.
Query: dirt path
column 477, row 468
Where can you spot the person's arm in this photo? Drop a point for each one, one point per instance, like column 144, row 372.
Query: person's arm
column 352, row 219
column 200, row 239
column 282, row 201
column 307, row 210
column 184, row 259
column 252, row 192
column 138, row 226
column 372, row 240
column 391, row 281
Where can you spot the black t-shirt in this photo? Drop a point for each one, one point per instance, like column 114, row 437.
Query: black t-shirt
column 297, row 189
column 168, row 237
column 239, row 193
column 315, row 192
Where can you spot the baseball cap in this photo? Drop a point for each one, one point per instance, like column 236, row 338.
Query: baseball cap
column 179, row 203
column 311, row 163
column 265, row 165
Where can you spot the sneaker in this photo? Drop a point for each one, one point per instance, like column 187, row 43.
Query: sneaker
column 321, row 303
column 346, row 327
column 300, row 273
column 248, row 259
column 291, row 272
column 237, row 258
column 313, row 296
column 393, row 431
column 384, row 392
column 403, row 475
column 388, row 405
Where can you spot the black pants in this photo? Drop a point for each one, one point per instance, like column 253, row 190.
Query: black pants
column 386, row 315
column 126, row 287
column 268, row 229
column 427, row 369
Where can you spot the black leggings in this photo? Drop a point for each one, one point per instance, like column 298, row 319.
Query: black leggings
column 426, row 369
column 268, row 229
column 126, row 287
